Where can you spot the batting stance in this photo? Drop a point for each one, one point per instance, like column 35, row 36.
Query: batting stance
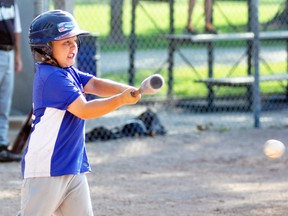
column 55, row 160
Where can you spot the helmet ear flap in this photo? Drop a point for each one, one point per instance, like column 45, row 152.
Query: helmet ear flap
column 42, row 53
column 41, row 56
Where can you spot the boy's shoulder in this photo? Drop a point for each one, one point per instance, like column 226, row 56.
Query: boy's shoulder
column 46, row 66
column 47, row 71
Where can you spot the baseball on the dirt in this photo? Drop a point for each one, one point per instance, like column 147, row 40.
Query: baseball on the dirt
column 274, row 148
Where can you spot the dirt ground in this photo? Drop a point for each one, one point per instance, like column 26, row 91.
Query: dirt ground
column 198, row 174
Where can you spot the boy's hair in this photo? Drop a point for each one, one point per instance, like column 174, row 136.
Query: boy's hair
column 51, row 26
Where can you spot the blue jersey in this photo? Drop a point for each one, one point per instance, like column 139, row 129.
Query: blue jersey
column 56, row 145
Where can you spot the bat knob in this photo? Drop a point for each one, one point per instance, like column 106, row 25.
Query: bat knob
column 133, row 93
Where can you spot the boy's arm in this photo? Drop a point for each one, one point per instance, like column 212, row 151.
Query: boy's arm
column 98, row 107
column 104, row 87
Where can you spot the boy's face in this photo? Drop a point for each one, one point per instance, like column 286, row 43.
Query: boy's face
column 65, row 51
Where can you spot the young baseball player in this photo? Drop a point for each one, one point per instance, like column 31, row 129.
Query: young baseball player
column 55, row 160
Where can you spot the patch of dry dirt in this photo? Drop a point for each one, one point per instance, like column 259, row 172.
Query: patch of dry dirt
column 198, row 174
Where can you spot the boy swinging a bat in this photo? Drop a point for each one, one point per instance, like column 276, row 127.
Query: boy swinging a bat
column 55, row 160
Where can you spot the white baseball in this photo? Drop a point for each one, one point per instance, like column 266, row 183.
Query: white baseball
column 274, row 148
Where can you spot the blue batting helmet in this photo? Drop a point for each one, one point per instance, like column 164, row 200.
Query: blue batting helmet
column 51, row 26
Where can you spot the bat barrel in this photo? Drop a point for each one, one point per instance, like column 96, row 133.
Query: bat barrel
column 156, row 81
column 150, row 85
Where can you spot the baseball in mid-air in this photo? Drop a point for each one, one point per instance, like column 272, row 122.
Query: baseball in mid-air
column 274, row 148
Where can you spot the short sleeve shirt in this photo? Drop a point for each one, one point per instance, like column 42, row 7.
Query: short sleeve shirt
column 56, row 145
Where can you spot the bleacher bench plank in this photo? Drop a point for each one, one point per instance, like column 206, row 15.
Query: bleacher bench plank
column 243, row 81
column 273, row 35
column 207, row 38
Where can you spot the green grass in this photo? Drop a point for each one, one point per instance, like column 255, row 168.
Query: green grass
column 148, row 37
column 95, row 17
column 184, row 85
column 235, row 11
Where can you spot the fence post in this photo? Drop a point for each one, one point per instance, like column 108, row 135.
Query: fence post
column 171, row 50
column 254, row 19
column 132, row 45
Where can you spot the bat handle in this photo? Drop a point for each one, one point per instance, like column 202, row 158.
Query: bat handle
column 135, row 93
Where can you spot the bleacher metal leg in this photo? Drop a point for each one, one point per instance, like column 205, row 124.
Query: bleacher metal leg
column 211, row 95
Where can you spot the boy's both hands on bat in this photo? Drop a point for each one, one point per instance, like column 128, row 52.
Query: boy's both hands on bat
column 112, row 95
column 128, row 98
column 106, row 88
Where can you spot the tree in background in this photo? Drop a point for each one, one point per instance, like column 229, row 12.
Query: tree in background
column 116, row 34
column 67, row 5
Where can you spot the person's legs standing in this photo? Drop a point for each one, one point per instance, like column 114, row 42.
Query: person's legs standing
column 6, row 94
column 77, row 200
column 190, row 27
column 58, row 196
column 209, row 28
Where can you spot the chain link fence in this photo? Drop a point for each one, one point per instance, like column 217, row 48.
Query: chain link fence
column 234, row 79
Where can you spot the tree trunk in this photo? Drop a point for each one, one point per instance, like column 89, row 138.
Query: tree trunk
column 67, row 5
column 116, row 32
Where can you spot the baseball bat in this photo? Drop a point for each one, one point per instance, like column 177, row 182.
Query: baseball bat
column 150, row 85
column 22, row 136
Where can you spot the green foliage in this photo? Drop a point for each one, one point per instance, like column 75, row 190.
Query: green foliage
column 235, row 11
column 149, row 36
